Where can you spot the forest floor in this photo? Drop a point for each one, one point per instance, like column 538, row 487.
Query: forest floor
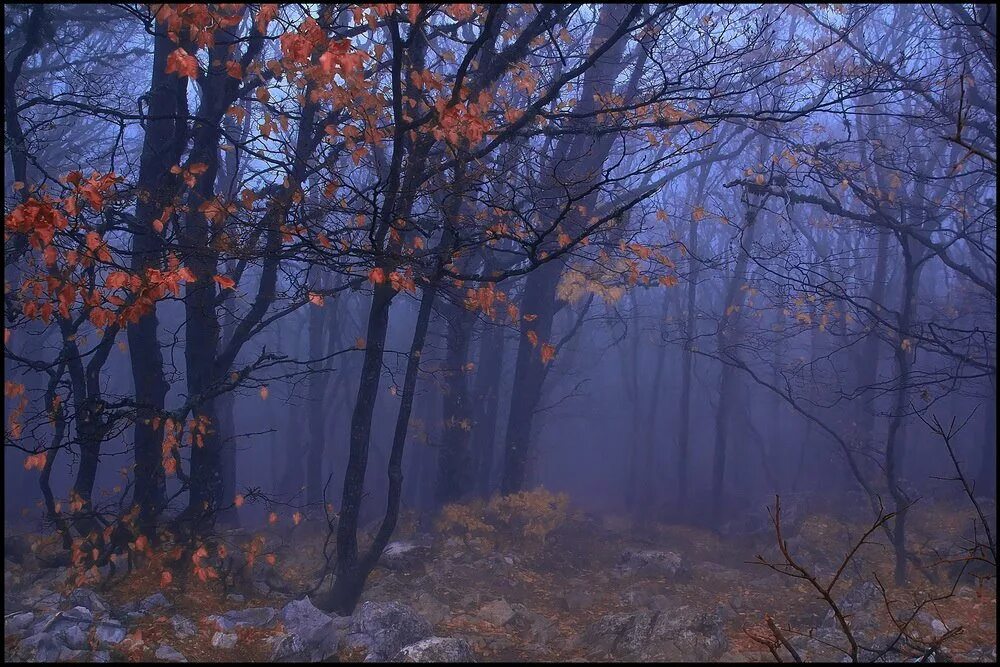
column 593, row 589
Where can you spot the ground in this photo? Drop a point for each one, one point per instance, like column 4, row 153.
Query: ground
column 583, row 588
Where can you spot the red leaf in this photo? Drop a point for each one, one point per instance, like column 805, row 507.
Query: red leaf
column 225, row 282
column 182, row 63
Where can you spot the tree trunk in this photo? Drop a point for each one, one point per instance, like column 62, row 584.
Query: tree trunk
column 539, row 300
column 687, row 359
column 894, row 449
column 580, row 158
column 349, row 575
column 729, row 336
column 487, row 401
column 162, row 147
column 455, row 473
column 352, row 572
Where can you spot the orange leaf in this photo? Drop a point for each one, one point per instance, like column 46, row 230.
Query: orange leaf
column 36, row 461
column 165, row 579
column 533, row 337
column 272, row 518
column 224, row 281
column 548, row 352
column 264, row 393
column 376, row 276
column 182, row 63
column 116, row 279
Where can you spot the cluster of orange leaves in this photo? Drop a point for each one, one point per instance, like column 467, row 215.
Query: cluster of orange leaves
column 525, row 518
column 57, row 288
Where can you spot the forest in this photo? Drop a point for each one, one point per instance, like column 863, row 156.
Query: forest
column 500, row 332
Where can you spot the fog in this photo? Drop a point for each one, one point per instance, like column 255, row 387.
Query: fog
column 378, row 270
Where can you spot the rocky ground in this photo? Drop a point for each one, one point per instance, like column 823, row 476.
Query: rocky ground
column 593, row 590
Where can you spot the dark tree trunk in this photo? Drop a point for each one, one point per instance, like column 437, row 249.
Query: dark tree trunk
column 162, row 147
column 895, row 446
column 455, row 472
column 486, row 395
column 350, row 577
column 728, row 337
column 687, row 354
column 580, row 158
column 352, row 571
column 539, row 300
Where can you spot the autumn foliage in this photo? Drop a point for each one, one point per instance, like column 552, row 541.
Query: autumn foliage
column 524, row 519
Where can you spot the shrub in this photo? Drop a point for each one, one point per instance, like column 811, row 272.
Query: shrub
column 527, row 517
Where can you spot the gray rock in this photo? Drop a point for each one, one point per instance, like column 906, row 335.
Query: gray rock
column 649, row 561
column 310, row 635
column 109, row 633
column 154, row 601
column 77, row 615
column 68, row 654
column 73, row 637
column 637, row 595
column 302, row 618
column 183, row 627
column 385, row 628
column 236, row 597
column 42, row 647
column 41, row 623
column 535, row 627
column 168, row 653
column 224, row 641
column 402, row 555
column 254, row 617
column 437, row 649
column 46, row 600
column 497, row 612
column 80, row 655
column 617, row 636
column 69, row 627
column 84, row 597
column 430, row 608
column 17, row 623
column 681, row 633
column 285, row 647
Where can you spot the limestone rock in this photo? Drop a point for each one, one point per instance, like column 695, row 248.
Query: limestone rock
column 437, row 649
